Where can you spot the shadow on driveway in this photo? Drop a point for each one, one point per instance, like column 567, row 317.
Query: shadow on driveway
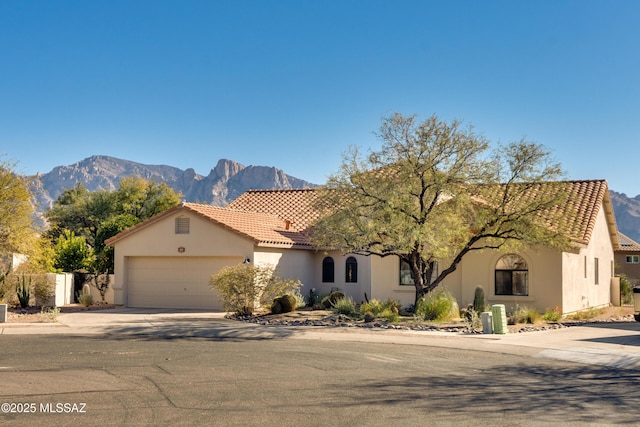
column 617, row 337
column 193, row 327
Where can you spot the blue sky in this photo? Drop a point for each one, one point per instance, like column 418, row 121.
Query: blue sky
column 293, row 84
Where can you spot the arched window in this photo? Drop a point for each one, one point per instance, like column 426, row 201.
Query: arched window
column 327, row 270
column 512, row 276
column 351, row 272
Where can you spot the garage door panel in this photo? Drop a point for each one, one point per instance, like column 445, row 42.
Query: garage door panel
column 174, row 282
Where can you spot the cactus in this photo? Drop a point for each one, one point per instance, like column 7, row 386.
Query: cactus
column 288, row 303
column 24, row 291
column 3, row 281
column 478, row 300
column 330, row 300
column 276, row 307
column 284, row 304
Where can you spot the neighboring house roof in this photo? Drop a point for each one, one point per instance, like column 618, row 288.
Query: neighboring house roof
column 627, row 244
column 263, row 229
column 281, row 217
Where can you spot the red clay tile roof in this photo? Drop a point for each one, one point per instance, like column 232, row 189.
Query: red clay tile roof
column 280, row 217
column 295, row 206
column 263, row 229
column 584, row 201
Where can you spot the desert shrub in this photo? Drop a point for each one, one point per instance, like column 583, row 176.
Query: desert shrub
column 85, row 298
column 471, row 317
column 552, row 314
column 438, row 305
column 586, row 314
column 245, row 287
column 42, row 289
column 300, row 302
column 478, row 300
column 388, row 309
column 369, row 317
column 390, row 314
column 527, row 315
column 344, row 305
column 53, row 313
column 330, row 300
column 373, row 306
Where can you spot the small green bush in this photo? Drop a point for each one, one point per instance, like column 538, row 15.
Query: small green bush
column 374, row 306
column 344, row 305
column 527, row 315
column 438, row 305
column 300, row 302
column 390, row 315
column 85, row 299
column 586, row 314
column 387, row 310
column 330, row 300
column 242, row 285
column 552, row 314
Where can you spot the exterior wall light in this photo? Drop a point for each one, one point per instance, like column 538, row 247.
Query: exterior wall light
column 181, row 249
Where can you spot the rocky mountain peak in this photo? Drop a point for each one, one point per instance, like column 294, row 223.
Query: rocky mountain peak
column 226, row 180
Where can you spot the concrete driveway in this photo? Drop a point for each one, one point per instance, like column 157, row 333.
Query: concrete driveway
column 612, row 344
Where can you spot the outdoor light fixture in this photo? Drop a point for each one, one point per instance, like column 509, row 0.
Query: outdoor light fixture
column 181, row 249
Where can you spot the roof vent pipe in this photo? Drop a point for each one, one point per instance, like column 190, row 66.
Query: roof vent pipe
column 287, row 224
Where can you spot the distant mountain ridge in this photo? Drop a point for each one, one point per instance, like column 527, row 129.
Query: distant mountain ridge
column 627, row 210
column 226, row 181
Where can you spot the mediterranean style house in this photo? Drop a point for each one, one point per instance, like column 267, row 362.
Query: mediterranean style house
column 166, row 261
column 627, row 259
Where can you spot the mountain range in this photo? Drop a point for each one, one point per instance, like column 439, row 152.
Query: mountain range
column 226, row 181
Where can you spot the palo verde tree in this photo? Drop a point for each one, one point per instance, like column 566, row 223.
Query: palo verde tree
column 435, row 192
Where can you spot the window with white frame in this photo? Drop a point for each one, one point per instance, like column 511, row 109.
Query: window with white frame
column 633, row 259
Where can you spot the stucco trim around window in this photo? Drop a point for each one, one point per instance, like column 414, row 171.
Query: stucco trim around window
column 328, row 270
column 511, row 276
column 351, row 270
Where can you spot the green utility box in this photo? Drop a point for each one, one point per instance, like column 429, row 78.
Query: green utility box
column 499, row 315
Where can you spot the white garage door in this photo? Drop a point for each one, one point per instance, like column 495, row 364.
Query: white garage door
column 174, row 282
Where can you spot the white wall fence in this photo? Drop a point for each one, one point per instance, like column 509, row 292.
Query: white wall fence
column 63, row 290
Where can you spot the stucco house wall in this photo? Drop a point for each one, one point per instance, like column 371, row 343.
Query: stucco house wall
column 583, row 288
column 354, row 290
column 289, row 264
column 159, row 239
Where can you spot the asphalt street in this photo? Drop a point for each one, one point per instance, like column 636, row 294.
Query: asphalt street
column 128, row 367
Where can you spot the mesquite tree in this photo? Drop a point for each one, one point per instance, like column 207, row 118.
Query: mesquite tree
column 434, row 192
